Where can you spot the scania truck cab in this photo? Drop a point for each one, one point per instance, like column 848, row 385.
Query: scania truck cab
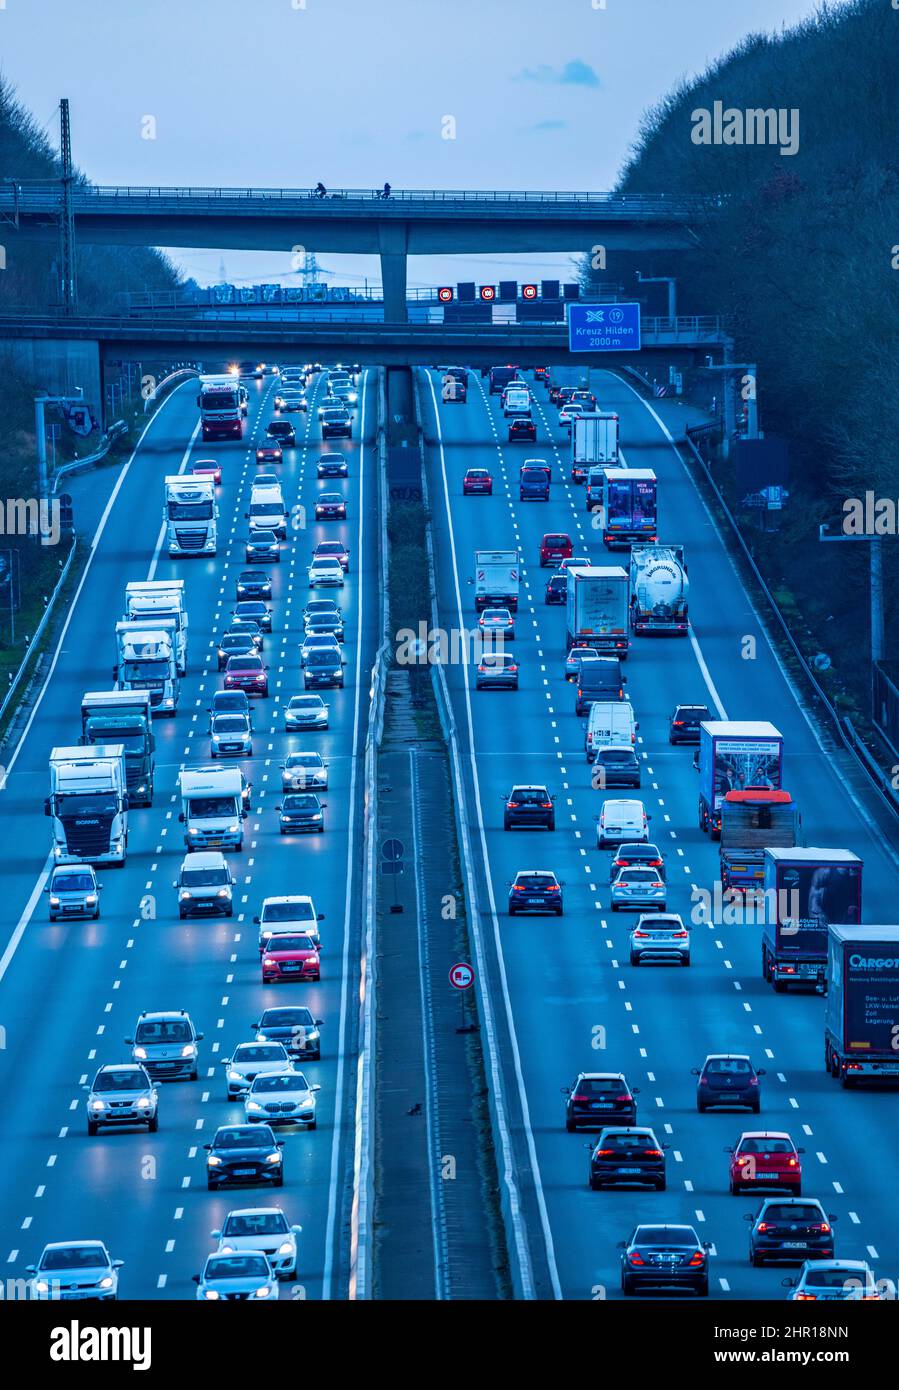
column 88, row 804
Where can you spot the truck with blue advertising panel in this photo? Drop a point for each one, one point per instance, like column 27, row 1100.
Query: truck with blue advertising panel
column 735, row 755
column 861, row 1017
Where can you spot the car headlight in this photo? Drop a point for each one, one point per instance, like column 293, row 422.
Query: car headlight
column 97, row 1105
column 106, row 1281
column 233, row 829
column 41, row 1286
column 312, row 1035
column 210, row 1293
column 224, row 893
column 263, row 1292
column 54, row 902
column 226, row 1249
column 144, row 1103
column 192, row 830
column 235, row 1076
column 265, row 935
column 91, row 898
column 139, row 1053
column 213, row 1162
column 189, row 1050
column 185, row 893
column 253, row 1105
column 286, row 1248
column 273, row 1158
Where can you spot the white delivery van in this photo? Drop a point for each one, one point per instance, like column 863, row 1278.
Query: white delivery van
column 610, row 724
column 619, row 820
column 516, row 401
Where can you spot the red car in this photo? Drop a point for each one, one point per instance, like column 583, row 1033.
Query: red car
column 336, row 550
column 290, row 958
column 477, row 480
column 207, row 468
column 556, row 589
column 269, row 453
column 765, row 1159
column 330, row 506
column 555, row 547
column 247, row 673
column 522, row 428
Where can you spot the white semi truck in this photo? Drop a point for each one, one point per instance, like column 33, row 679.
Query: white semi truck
column 190, row 515
column 88, row 804
column 146, row 600
column 659, row 589
column 145, row 660
column 223, row 403
column 212, row 808
column 497, row 577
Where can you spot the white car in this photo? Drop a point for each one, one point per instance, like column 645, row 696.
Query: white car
column 320, row 641
column 231, row 735
column 302, row 772
column 252, row 1059
column 245, row 1275
column 261, row 1228
column 325, row 569
column 284, row 1099
column 75, row 1269
column 305, row 712
column 619, row 820
column 292, row 915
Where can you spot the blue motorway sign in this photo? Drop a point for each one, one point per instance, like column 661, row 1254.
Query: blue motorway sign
column 604, row 327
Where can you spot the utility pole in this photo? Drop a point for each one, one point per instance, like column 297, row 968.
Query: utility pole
column 68, row 289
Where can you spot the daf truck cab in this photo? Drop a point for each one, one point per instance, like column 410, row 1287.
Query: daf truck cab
column 123, row 717
column 88, row 804
column 190, row 515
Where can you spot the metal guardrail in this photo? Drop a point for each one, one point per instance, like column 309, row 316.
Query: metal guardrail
column 38, row 633
column 167, row 383
column 112, row 434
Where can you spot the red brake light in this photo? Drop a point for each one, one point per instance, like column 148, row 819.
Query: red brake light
column 678, row 723
column 635, row 1257
column 578, row 1097
column 553, row 888
column 546, row 805
column 762, row 1226
column 653, row 1153
column 753, row 1081
column 512, row 805
column 604, row 1153
column 806, row 1298
column 621, row 1098
column 824, row 1228
column 697, row 1259
column 793, row 1163
column 677, row 933
column 518, row 888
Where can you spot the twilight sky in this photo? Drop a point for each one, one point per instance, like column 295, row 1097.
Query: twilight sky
column 275, row 93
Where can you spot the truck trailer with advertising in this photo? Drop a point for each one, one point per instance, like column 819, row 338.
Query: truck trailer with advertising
column 735, row 755
column 861, row 1015
column 190, row 514
column 806, row 890
column 659, row 589
column 751, row 821
column 594, row 441
column 123, row 717
column 629, row 507
column 148, row 599
column 145, row 660
column 597, row 609
column 88, row 804
column 497, row 576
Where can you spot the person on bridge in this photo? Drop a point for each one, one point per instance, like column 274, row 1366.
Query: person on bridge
column 320, row 190
column 386, row 193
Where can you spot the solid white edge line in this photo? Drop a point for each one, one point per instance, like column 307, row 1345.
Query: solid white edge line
column 504, row 985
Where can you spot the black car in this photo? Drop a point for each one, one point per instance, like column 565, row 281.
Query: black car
column 528, row 805
column 664, row 1257
column 335, row 421
column 598, row 1098
column 729, row 1079
column 617, row 767
column 295, row 1028
column 244, row 1153
column 257, row 611
column 522, row 428
column 324, row 624
column 301, row 811
column 627, row 1155
column 253, row 585
column 790, row 1228
column 247, row 627
column 637, row 856
column 535, row 890
column 556, row 590
column 283, row 431
column 262, row 548
column 234, row 644
column 683, row 726
column 332, row 466
column 322, row 668
column 330, row 506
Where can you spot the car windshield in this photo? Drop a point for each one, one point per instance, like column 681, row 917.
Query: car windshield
column 283, row 1081
column 237, row 642
column 245, row 663
column 207, row 807
column 236, row 1267
column 304, row 760
column 323, row 657
column 263, row 538
column 287, row 912
column 246, row 1137
column 256, row 1223
column 326, row 562
column 74, row 1257
column 124, row 1080
column 250, row 577
column 72, row 883
column 92, row 804
column 301, row 803
column 332, row 458
column 266, row 508
column 231, row 724
column 259, row 1052
column 163, row 1030
column 306, row 702
column 203, row 878
column 730, row 1066
column 287, row 1018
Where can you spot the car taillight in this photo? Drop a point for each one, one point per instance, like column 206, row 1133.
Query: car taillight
column 793, row 1163
column 703, row 1081
column 604, row 1153
column 753, row 1081
column 581, row 1099
column 511, row 668
column 518, row 888
column 697, row 1259
column 806, row 1298
column 677, row 933
column 678, row 723
column 546, row 805
column 641, row 933
column 553, row 888
column 659, row 884
column 653, row 863
column 742, row 1159
column 512, row 805
column 621, row 1100
column 762, row 1226
column 635, row 1258
column 824, row 1228
column 652, row 1153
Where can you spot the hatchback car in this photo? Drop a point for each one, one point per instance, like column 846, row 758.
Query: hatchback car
column 630, row 854
column 334, row 550
column 69, row 1270
column 234, row 644
column 790, row 1228
column 237, row 1278
column 207, row 468
column 228, row 702
column 304, row 772
column 244, row 1153
column 477, row 481
column 556, row 591
column 536, row 890
column 325, row 569
column 627, row 1155
column 730, row 1079
column 496, row 623
column 683, row 726
column 330, row 506
column 522, row 427
column 319, row 642
column 528, row 805
column 659, row 935
column 285, row 1098
column 575, row 657
column 122, row 1095
column 269, row 453
column 600, row 1098
column 264, row 1229
column 621, row 820
column 323, row 666
column 324, row 624
column 332, row 466
column 615, row 766
column 283, row 432
column 73, row 891
column 254, row 610
column 165, row 1045
column 294, row 1028
column 305, row 712
column 838, row 1281
column 252, row 584
column 263, row 547
column 249, row 1060
column 665, row 1257
column 231, row 736
column 497, row 671
column 247, row 673
column 301, row 812
column 765, row 1159
column 533, row 485
column 637, row 887
column 290, row 956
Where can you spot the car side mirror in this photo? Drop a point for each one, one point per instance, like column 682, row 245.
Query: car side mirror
column 320, row 917
column 181, row 817
column 800, row 1151
column 47, row 888
column 316, row 1087
column 279, row 1143
column 788, row 1283
column 195, row 1278
column 256, row 920
column 31, row 1269
column 117, row 1264
column 47, row 810
column 635, row 1090
column 694, row 1071
column 216, row 1234
column 621, row 1245
column 706, row 1245
column 129, row 1041
column 208, row 1147
column 748, row 1216
column 831, row 1218
column 199, row 1037
column 761, row 1071
column 566, row 1090
column 728, row 1149
column 296, row 1229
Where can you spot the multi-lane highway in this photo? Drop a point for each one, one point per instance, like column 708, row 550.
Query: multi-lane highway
column 565, row 986
column 71, row 992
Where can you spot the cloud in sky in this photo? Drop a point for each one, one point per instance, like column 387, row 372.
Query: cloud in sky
column 573, row 74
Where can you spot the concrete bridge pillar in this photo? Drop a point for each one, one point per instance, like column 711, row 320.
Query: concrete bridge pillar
column 392, row 239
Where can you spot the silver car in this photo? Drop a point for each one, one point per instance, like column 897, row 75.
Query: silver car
column 242, row 1276
column 285, row 1098
column 325, row 569
column 843, row 1281
column 75, row 1269
column 231, row 736
column 305, row 712
column 265, row 1229
column 637, row 887
column 73, row 891
column 304, row 772
column 122, row 1095
column 575, row 657
column 659, row 936
column 250, row 1060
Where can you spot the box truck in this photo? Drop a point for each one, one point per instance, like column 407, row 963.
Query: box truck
column 597, row 609
column 806, row 890
column 629, row 507
column 497, row 575
column 212, row 808
column 145, row 660
column 734, row 755
column 861, row 1016
column 160, row 598
column 190, row 514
